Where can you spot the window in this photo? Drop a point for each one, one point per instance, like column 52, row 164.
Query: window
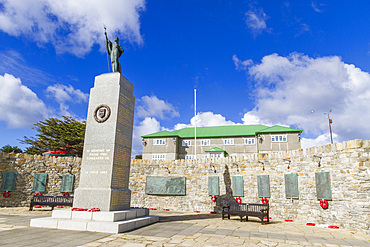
column 249, row 141
column 215, row 155
column 190, row 157
column 159, row 142
column 158, row 156
column 228, row 141
column 186, row 143
column 205, row 142
column 278, row 138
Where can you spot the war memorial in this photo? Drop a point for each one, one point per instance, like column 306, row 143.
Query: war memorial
column 327, row 185
column 102, row 200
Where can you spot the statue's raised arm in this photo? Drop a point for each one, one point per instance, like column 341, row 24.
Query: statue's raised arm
column 114, row 50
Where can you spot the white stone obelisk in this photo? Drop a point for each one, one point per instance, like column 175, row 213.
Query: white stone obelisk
column 105, row 168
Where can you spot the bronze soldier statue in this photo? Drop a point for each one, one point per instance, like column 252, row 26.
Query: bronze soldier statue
column 114, row 50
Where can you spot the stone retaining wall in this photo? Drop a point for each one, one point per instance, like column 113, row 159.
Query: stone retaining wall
column 347, row 162
column 26, row 165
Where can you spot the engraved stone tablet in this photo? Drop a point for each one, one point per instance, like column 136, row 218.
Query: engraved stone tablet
column 238, row 186
column 8, row 181
column 105, row 167
column 165, row 186
column 39, row 182
column 323, row 185
column 213, row 186
column 291, row 186
column 67, row 183
column 263, row 182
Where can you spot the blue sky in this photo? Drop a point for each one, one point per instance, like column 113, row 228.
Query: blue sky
column 252, row 62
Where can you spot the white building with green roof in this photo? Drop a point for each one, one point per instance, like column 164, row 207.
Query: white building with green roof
column 219, row 141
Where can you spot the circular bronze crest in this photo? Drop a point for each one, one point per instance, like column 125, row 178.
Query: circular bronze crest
column 101, row 113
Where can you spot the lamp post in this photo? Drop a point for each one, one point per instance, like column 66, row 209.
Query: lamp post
column 330, row 122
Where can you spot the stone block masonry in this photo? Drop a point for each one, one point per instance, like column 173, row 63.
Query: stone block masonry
column 26, row 166
column 347, row 162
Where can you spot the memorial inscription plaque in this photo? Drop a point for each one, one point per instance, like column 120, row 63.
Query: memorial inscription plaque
column 8, row 181
column 323, row 185
column 213, row 186
column 39, row 182
column 263, row 182
column 165, row 186
column 238, row 186
column 67, row 183
column 291, row 186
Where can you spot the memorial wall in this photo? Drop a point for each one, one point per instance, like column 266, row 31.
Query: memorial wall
column 36, row 173
column 294, row 182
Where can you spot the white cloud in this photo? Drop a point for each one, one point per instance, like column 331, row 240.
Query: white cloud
column 72, row 26
column 317, row 7
column 256, row 20
column 241, row 65
column 321, row 140
column 297, row 90
column 147, row 126
column 205, row 119
column 19, row 106
column 151, row 106
column 63, row 94
column 251, row 118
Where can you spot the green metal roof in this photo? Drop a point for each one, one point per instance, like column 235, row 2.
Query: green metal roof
column 278, row 129
column 163, row 133
column 223, row 131
column 215, row 149
column 216, row 131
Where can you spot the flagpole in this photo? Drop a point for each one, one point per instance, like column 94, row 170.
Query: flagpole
column 195, row 129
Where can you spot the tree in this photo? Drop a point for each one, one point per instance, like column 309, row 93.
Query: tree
column 33, row 150
column 10, row 149
column 139, row 156
column 55, row 134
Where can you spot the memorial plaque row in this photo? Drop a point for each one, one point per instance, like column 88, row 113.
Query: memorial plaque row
column 39, row 182
column 322, row 179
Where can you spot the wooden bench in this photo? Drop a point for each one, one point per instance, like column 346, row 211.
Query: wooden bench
column 51, row 201
column 245, row 209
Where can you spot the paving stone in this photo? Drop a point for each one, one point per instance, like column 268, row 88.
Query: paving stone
column 166, row 234
column 276, row 236
column 269, row 243
column 241, row 233
column 296, row 238
column 258, row 234
column 133, row 245
column 224, row 232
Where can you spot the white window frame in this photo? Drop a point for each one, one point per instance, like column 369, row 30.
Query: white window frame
column 158, row 156
column 186, row 143
column 159, row 141
column 190, row 157
column 279, row 138
column 228, row 141
column 215, row 155
column 205, row 142
column 250, row 141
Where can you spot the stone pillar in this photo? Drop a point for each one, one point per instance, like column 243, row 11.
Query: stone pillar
column 106, row 157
